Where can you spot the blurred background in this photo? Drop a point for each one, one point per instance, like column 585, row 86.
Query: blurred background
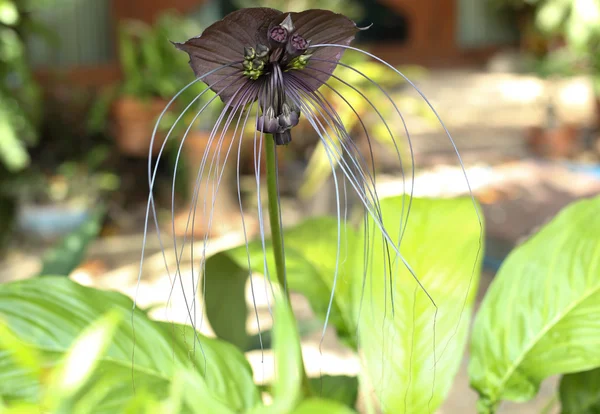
column 82, row 82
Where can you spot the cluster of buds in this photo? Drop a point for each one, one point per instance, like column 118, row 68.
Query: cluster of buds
column 299, row 62
column 255, row 61
column 287, row 45
column 279, row 124
column 286, row 48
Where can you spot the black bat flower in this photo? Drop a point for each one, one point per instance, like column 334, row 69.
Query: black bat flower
column 263, row 54
column 272, row 70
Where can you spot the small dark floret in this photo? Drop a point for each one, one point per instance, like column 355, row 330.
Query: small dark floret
column 268, row 123
column 289, row 118
column 284, row 138
column 297, row 45
column 278, row 35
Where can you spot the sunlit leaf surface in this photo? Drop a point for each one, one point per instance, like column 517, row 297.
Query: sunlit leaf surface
column 541, row 315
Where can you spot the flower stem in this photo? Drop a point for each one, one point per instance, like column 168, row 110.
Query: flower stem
column 274, row 218
column 277, row 236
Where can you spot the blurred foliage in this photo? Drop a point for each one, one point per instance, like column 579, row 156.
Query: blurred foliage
column 351, row 8
column 514, row 4
column 77, row 183
column 572, row 32
column 359, row 115
column 19, row 93
column 29, row 118
column 340, row 388
column 580, row 392
column 153, row 68
column 99, row 357
column 63, row 258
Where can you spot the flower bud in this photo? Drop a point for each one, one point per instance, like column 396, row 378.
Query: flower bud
column 283, row 138
column 278, row 35
column 296, row 46
column 258, row 64
column 249, row 53
column 289, row 118
column 261, row 51
column 267, row 122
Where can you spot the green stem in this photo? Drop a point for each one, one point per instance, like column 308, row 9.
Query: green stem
column 274, row 219
column 277, row 237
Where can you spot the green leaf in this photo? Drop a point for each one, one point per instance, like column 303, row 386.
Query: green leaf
column 397, row 341
column 288, row 360
column 80, row 362
column 49, row 313
column 310, row 250
column 226, row 307
column 68, row 254
column 319, row 406
column 13, row 153
column 23, row 355
column 9, row 14
column 580, row 392
column 197, row 395
column 541, row 315
column 552, row 14
column 340, row 388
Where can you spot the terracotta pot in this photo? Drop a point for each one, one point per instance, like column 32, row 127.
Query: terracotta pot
column 556, row 143
column 133, row 122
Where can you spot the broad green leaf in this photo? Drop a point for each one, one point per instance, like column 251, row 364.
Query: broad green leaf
column 310, row 249
column 288, row 358
column 287, row 384
column 25, row 356
column 49, row 313
column 320, row 406
column 340, row 388
column 226, row 308
column 541, row 315
column 412, row 350
column 80, row 361
column 197, row 395
column 143, row 403
column 580, row 392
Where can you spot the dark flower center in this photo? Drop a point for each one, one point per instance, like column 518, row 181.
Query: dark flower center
column 285, row 51
column 298, row 42
column 278, row 34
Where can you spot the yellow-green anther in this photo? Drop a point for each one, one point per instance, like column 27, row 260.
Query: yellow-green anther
column 249, row 53
column 299, row 62
column 262, row 51
column 258, row 64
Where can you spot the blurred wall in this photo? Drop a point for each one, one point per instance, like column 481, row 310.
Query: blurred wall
column 439, row 33
column 148, row 10
column 446, row 32
column 82, row 35
column 480, row 25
